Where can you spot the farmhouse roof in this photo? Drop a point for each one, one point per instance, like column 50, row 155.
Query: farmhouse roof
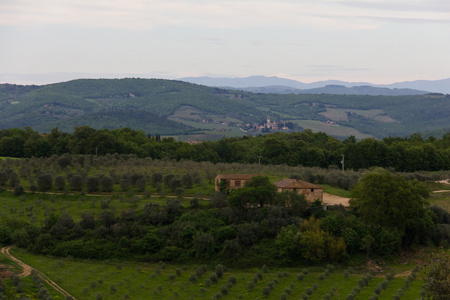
column 296, row 184
column 236, row 176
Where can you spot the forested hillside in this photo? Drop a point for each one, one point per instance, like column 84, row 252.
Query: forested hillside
column 178, row 108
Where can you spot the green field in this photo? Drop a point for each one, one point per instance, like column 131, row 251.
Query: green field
column 340, row 114
column 87, row 279
column 335, row 130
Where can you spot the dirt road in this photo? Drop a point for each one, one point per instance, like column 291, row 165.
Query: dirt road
column 335, row 200
column 27, row 271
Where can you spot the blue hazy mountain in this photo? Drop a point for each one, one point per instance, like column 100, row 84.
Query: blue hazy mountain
column 264, row 84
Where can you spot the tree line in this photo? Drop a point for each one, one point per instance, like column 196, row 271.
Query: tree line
column 306, row 148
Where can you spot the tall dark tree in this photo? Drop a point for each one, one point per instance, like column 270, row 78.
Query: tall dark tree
column 385, row 200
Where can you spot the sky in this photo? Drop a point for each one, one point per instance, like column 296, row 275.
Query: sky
column 381, row 42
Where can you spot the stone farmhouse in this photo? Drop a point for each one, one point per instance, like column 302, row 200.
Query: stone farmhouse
column 234, row 181
column 311, row 191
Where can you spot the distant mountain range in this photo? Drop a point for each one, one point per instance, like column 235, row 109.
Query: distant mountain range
column 263, row 84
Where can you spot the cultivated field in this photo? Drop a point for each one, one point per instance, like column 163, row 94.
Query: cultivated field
column 86, row 279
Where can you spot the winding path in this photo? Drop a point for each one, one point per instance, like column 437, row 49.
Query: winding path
column 27, row 271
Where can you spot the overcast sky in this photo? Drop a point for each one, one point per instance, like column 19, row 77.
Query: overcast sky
column 378, row 41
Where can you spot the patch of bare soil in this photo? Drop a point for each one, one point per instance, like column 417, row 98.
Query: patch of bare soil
column 335, row 200
column 26, row 268
column 27, row 271
column 5, row 271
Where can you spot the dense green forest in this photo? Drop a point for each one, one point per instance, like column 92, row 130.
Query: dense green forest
column 413, row 153
column 152, row 105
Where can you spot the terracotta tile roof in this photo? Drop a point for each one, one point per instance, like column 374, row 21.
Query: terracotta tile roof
column 235, row 176
column 296, row 184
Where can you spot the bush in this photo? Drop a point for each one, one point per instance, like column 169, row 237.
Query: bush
column 93, row 184
column 207, row 283
column 266, row 291
column 60, row 183
column 193, row 278
column 232, row 279
column 157, row 179
column 18, row 190
column 224, row 290
column 75, row 181
column 219, row 270
column 251, row 285
column 141, row 184
column 45, row 182
column 213, row 277
column 309, row 291
column 106, row 184
column 218, row 200
column 204, row 246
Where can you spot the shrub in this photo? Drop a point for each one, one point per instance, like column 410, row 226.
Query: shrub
column 204, row 246
column 75, row 181
column 224, row 290
column 219, row 270
column 193, row 278
column 60, row 183
column 378, row 289
column 44, row 182
column 18, row 190
column 213, row 277
column 266, row 291
column 93, row 184
column 259, row 275
column 251, row 285
column 106, row 184
column 264, row 269
column 141, row 184
column 194, row 202
column 232, row 279
column 157, row 179
column 218, row 200
column 207, row 283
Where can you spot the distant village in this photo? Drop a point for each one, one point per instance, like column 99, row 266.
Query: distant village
column 269, row 126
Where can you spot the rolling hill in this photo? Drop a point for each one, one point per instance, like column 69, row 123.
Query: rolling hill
column 171, row 107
